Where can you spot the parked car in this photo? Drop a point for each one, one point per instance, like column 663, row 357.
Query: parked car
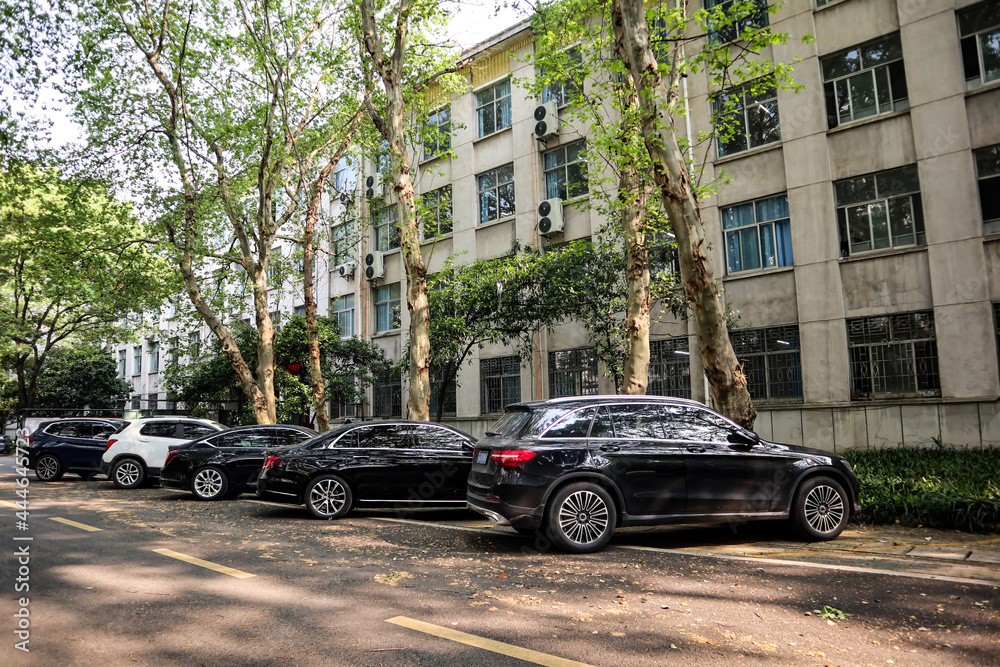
column 393, row 463
column 578, row 467
column 226, row 464
column 137, row 452
column 74, row 445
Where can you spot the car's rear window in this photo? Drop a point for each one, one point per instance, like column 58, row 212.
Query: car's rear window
column 511, row 424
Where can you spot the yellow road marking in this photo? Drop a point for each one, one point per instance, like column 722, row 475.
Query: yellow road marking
column 487, row 644
column 204, row 563
column 81, row 526
column 7, row 503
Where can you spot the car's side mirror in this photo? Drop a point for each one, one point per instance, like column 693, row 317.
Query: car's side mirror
column 741, row 438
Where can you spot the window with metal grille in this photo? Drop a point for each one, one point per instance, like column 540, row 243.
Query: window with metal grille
column 493, row 108
column 865, row 81
column 450, row 398
column 566, row 171
column 385, row 222
column 500, row 383
column 879, row 211
column 988, row 173
column 771, row 360
column 979, row 28
column 893, row 356
column 669, row 368
column 435, row 209
column 573, row 372
column 389, row 396
column 746, row 117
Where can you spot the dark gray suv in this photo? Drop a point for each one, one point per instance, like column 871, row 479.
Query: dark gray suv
column 578, row 467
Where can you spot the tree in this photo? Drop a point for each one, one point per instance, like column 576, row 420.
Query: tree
column 81, row 376
column 400, row 70
column 657, row 88
column 209, row 111
column 75, row 264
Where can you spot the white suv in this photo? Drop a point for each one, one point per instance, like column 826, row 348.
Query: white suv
column 137, row 452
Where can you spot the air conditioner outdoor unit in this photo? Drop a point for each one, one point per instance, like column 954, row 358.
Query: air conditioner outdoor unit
column 550, row 217
column 347, row 269
column 374, row 265
column 546, row 120
column 373, row 187
column 346, row 199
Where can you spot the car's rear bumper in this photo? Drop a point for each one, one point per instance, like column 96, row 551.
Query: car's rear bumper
column 506, row 514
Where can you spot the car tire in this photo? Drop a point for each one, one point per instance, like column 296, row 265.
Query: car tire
column 820, row 510
column 328, row 497
column 128, row 474
column 209, row 483
column 580, row 518
column 48, row 468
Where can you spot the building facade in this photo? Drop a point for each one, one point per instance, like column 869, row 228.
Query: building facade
column 858, row 237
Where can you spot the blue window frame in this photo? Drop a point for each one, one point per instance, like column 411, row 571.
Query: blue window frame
column 758, row 234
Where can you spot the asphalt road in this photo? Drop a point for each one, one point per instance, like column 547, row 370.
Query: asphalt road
column 166, row 580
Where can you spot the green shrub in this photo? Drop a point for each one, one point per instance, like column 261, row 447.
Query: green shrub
column 940, row 488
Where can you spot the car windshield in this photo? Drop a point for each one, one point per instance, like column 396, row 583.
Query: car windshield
column 510, row 424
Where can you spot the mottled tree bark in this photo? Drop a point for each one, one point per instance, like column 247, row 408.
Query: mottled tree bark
column 657, row 97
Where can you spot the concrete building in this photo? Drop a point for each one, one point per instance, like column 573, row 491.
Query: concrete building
column 858, row 239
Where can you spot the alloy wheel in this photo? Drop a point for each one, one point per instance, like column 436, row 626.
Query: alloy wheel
column 583, row 517
column 127, row 473
column 824, row 508
column 47, row 468
column 208, row 483
column 328, row 496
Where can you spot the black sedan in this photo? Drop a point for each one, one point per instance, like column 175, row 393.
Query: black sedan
column 226, row 464
column 397, row 464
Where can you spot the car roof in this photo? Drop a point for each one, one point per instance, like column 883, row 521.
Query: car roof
column 602, row 399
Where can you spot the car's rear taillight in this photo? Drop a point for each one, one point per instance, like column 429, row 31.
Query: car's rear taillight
column 110, row 442
column 271, row 461
column 511, row 458
column 170, row 455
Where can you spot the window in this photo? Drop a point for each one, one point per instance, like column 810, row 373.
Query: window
column 437, row 133
column 663, row 260
column 566, row 171
column 745, row 117
column 387, row 308
column 389, row 396
column 343, row 311
column 893, row 356
column 493, row 108
column 386, row 221
column 880, row 210
column 192, row 430
column 988, row 172
column 500, row 383
column 300, row 311
column 864, row 81
column 136, row 402
column 438, row 438
column 136, row 360
column 344, row 176
column 450, row 398
column 342, row 242
column 629, row 422
column 758, row 234
column 567, row 83
column 273, row 268
column 121, row 363
column 736, row 18
column 194, row 344
column 154, row 357
column 979, row 28
column 383, row 159
column 669, row 368
column 152, row 401
column 436, row 212
column 496, row 194
column 172, row 351
column 771, row 360
column 573, row 372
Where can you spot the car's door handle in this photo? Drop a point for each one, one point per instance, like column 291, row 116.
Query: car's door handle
column 610, row 448
column 695, row 448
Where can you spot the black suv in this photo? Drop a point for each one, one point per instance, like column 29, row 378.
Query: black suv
column 577, row 467
column 70, row 445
